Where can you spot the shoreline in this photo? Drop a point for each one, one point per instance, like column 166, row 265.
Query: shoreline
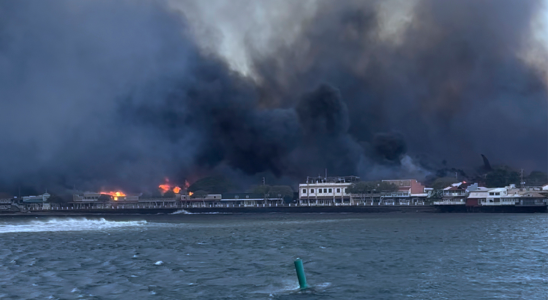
column 230, row 210
column 427, row 209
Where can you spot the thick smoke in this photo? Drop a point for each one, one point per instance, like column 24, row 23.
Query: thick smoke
column 120, row 94
column 452, row 80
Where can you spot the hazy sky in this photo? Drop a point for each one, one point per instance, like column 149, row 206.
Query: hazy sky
column 231, row 27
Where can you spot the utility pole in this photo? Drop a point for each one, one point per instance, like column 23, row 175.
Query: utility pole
column 457, row 176
column 521, row 176
column 264, row 181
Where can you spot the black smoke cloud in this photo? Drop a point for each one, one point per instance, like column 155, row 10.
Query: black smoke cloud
column 454, row 82
column 119, row 94
column 390, row 148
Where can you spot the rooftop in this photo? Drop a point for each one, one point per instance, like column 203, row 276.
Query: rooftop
column 340, row 179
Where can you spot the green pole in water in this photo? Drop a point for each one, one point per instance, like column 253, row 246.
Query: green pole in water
column 300, row 274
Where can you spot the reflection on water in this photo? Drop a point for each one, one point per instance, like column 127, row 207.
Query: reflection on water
column 353, row 256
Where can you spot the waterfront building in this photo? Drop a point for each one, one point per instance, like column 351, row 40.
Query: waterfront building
column 326, row 191
column 410, row 191
column 477, row 195
column 501, row 199
column 210, row 200
column 93, row 200
column 35, row 202
column 159, row 202
column 7, row 205
column 251, row 199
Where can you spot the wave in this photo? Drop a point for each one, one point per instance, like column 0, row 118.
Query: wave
column 186, row 212
column 182, row 211
column 71, row 224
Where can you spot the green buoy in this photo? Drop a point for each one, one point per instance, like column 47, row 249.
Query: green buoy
column 300, row 274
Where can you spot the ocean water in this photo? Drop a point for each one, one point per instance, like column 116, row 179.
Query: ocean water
column 346, row 256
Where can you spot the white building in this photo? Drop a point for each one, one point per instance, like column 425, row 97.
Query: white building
column 326, row 191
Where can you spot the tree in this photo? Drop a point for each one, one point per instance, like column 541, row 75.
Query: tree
column 536, row 178
column 387, row 187
column 443, row 182
column 212, row 185
column 260, row 189
column 366, row 187
column 281, row 190
column 501, row 177
column 362, row 187
column 199, row 194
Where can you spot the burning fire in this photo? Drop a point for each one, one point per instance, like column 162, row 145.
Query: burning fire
column 187, row 185
column 167, row 187
column 114, row 195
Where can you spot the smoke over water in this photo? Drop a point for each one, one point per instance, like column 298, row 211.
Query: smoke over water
column 121, row 94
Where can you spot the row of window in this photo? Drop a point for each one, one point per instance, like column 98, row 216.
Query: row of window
column 320, row 191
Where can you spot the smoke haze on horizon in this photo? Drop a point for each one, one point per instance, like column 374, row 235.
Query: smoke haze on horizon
column 121, row 94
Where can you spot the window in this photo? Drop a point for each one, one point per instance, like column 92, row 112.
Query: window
column 491, row 194
column 498, row 194
column 346, row 191
column 312, row 191
column 319, row 191
column 330, row 190
column 338, row 190
column 304, row 191
column 325, row 190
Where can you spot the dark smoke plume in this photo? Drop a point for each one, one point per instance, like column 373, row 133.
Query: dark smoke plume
column 121, row 94
column 390, row 147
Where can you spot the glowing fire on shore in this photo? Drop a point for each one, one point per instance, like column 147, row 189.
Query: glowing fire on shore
column 187, row 185
column 114, row 195
column 166, row 187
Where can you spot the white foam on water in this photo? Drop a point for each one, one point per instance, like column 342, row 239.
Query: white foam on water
column 181, row 211
column 186, row 212
column 283, row 287
column 323, row 285
column 291, row 286
column 71, row 224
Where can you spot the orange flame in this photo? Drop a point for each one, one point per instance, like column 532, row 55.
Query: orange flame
column 164, row 188
column 190, row 193
column 114, row 195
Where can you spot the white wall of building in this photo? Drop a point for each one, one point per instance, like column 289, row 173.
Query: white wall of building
column 328, row 189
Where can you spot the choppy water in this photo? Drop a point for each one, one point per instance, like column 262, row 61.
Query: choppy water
column 346, row 256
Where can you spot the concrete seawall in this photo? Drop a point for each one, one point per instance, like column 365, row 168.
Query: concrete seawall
column 235, row 210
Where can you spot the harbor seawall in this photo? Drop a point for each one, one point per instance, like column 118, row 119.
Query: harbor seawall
column 236, row 210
